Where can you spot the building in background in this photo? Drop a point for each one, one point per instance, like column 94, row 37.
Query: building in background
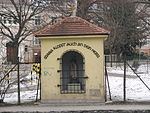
column 145, row 49
column 29, row 49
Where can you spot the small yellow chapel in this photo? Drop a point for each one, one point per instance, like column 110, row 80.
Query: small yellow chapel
column 72, row 61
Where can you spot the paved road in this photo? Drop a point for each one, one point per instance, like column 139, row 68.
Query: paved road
column 48, row 108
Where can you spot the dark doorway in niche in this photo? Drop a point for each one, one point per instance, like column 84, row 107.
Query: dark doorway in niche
column 72, row 76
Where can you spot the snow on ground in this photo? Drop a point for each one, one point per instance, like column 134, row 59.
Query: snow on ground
column 26, row 96
column 28, row 83
column 136, row 90
column 143, row 69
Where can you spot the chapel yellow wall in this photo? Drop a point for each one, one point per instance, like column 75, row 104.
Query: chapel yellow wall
column 94, row 67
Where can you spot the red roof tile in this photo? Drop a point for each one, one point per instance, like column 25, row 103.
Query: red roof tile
column 71, row 26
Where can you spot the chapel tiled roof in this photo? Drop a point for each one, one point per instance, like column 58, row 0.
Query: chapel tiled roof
column 71, row 26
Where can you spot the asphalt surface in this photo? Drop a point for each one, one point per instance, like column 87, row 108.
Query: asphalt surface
column 48, row 108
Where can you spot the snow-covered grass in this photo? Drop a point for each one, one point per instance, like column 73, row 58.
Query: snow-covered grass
column 136, row 90
column 27, row 83
column 143, row 69
column 26, row 96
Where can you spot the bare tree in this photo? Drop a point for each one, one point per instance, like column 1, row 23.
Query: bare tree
column 5, row 80
column 127, row 28
column 83, row 7
column 125, row 19
column 20, row 14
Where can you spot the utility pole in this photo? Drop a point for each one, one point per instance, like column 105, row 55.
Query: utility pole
column 107, row 83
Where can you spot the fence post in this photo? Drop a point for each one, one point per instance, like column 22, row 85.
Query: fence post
column 18, row 77
column 124, row 80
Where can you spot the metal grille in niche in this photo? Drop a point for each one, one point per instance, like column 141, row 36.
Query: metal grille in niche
column 72, row 73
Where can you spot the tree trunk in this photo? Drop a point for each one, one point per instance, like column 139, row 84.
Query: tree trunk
column 16, row 53
column 82, row 8
column 16, row 60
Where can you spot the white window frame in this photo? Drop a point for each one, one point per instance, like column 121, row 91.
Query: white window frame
column 36, row 41
column 37, row 20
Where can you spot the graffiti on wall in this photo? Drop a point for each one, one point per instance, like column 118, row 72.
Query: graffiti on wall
column 47, row 71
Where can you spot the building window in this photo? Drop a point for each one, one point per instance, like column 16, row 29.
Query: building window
column 36, row 41
column 94, row 6
column 15, row 21
column 37, row 20
column 26, row 48
column 54, row 20
column 5, row 20
column 37, row 57
column 9, row 20
column 72, row 73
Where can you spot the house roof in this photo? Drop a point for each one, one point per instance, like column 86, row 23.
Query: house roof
column 71, row 26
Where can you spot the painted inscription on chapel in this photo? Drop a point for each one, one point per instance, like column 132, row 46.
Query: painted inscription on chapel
column 71, row 44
